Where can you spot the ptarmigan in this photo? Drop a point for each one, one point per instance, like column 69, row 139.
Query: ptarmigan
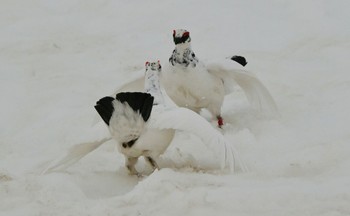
column 192, row 84
column 144, row 123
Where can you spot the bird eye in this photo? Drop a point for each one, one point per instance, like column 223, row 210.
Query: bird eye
column 129, row 144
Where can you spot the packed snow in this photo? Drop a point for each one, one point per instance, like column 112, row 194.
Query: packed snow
column 59, row 57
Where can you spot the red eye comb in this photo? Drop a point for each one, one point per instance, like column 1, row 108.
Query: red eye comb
column 186, row 34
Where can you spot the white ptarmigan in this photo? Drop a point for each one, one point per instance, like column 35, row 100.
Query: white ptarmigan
column 144, row 123
column 192, row 84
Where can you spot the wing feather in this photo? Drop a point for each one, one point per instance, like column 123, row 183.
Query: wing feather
column 258, row 95
column 186, row 120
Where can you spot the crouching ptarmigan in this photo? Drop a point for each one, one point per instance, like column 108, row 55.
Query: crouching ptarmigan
column 144, row 123
column 192, row 84
column 146, row 129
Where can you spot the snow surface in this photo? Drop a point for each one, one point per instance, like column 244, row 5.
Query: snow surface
column 57, row 58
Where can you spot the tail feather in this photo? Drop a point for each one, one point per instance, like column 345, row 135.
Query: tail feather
column 239, row 59
column 138, row 101
column 105, row 108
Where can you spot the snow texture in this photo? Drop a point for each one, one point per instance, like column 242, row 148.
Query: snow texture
column 59, row 57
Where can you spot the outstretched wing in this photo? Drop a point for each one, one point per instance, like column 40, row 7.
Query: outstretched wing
column 186, row 120
column 258, row 95
column 74, row 155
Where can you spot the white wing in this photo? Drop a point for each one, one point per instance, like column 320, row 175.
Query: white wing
column 257, row 94
column 74, row 155
column 186, row 120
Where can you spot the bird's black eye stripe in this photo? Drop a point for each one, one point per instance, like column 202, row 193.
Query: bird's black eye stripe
column 182, row 39
column 129, row 144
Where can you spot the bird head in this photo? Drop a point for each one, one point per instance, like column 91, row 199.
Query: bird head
column 181, row 36
column 154, row 66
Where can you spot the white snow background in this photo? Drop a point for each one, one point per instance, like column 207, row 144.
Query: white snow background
column 57, row 58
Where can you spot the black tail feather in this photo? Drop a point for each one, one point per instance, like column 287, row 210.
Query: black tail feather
column 105, row 108
column 138, row 101
column 239, row 59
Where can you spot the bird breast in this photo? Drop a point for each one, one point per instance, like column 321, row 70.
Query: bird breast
column 193, row 87
column 152, row 142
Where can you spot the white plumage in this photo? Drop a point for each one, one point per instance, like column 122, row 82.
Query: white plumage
column 192, row 84
column 143, row 124
column 157, row 133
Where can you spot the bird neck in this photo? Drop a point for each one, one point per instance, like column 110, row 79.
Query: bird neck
column 183, row 55
column 152, row 86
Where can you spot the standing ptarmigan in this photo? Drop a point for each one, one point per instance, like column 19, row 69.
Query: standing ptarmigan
column 192, row 84
column 144, row 123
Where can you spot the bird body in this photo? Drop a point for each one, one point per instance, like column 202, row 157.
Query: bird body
column 134, row 138
column 151, row 143
column 193, row 84
column 184, row 85
column 143, row 124
column 130, row 128
column 188, row 82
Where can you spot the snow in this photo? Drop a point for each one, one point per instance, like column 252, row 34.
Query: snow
column 59, row 57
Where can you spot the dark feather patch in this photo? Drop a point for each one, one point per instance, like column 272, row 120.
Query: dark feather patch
column 239, row 59
column 182, row 39
column 129, row 144
column 138, row 101
column 105, row 108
